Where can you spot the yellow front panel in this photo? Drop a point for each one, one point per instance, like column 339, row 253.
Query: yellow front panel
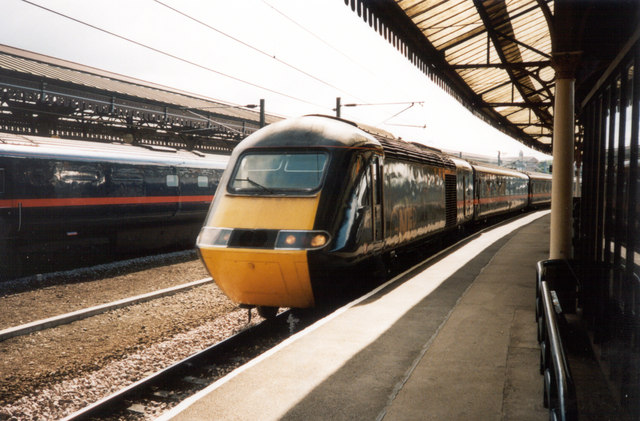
column 256, row 276
column 261, row 277
column 265, row 212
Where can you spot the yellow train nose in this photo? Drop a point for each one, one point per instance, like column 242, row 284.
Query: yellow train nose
column 261, row 277
column 255, row 248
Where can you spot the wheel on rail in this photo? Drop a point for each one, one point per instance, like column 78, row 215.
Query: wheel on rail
column 268, row 312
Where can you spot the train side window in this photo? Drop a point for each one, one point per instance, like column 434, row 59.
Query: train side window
column 79, row 173
column 376, row 181
column 363, row 191
column 172, row 180
column 203, row 181
column 1, row 180
column 127, row 180
column 127, row 175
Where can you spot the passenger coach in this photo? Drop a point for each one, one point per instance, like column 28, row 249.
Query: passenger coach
column 57, row 194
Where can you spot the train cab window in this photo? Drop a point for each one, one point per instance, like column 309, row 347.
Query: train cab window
column 279, row 173
column 172, row 180
column 203, row 181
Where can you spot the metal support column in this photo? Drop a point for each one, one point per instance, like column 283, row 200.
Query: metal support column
column 563, row 155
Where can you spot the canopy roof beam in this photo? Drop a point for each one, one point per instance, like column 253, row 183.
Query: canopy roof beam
column 518, row 77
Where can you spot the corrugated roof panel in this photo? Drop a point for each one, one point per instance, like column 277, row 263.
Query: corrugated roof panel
column 499, row 93
column 473, row 51
column 438, row 12
column 518, row 115
column 483, row 79
column 527, row 32
column 448, row 29
column 417, row 7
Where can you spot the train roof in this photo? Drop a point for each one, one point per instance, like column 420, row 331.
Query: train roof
column 410, row 151
column 24, row 146
column 460, row 163
column 309, row 131
column 328, row 131
column 539, row 175
column 493, row 169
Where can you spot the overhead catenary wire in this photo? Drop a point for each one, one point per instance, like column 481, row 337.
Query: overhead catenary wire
column 322, row 40
column 291, row 66
column 159, row 51
column 201, row 66
column 398, row 113
column 319, row 38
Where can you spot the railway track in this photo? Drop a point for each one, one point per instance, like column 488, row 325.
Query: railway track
column 144, row 348
column 169, row 386
column 82, row 273
column 177, row 382
column 61, row 319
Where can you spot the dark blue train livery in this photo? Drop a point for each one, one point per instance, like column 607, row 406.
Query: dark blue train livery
column 336, row 200
column 56, row 192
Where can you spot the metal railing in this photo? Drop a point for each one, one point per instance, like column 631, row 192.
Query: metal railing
column 559, row 389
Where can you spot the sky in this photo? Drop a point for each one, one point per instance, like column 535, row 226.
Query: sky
column 296, row 55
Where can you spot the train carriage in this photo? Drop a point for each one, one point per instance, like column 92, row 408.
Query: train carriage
column 539, row 189
column 465, row 191
column 499, row 190
column 60, row 193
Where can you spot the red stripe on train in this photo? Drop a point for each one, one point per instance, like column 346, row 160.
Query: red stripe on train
column 496, row 199
column 102, row 201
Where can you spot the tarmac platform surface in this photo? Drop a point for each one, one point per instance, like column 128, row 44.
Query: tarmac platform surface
column 454, row 339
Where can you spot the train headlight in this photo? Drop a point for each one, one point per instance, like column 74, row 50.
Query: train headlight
column 301, row 240
column 216, row 237
column 291, row 240
column 318, row 240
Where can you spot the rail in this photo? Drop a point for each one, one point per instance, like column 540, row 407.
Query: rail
column 559, row 388
column 73, row 316
column 194, row 365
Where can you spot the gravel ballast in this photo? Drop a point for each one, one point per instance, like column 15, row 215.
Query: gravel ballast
column 52, row 373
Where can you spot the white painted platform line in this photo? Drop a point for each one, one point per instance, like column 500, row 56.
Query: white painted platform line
column 380, row 314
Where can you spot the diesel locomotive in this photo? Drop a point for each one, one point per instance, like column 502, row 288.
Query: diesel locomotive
column 308, row 205
column 64, row 194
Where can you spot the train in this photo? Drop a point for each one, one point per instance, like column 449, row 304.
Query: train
column 68, row 195
column 309, row 205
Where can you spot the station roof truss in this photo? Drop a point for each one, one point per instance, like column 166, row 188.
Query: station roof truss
column 492, row 56
column 497, row 57
column 42, row 95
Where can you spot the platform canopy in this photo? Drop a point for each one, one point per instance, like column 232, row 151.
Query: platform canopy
column 496, row 56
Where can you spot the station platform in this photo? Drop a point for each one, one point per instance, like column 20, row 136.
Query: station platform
column 452, row 339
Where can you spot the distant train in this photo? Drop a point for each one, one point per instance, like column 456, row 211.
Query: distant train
column 56, row 193
column 308, row 205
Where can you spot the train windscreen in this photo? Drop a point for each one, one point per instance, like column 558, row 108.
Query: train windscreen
column 278, row 173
